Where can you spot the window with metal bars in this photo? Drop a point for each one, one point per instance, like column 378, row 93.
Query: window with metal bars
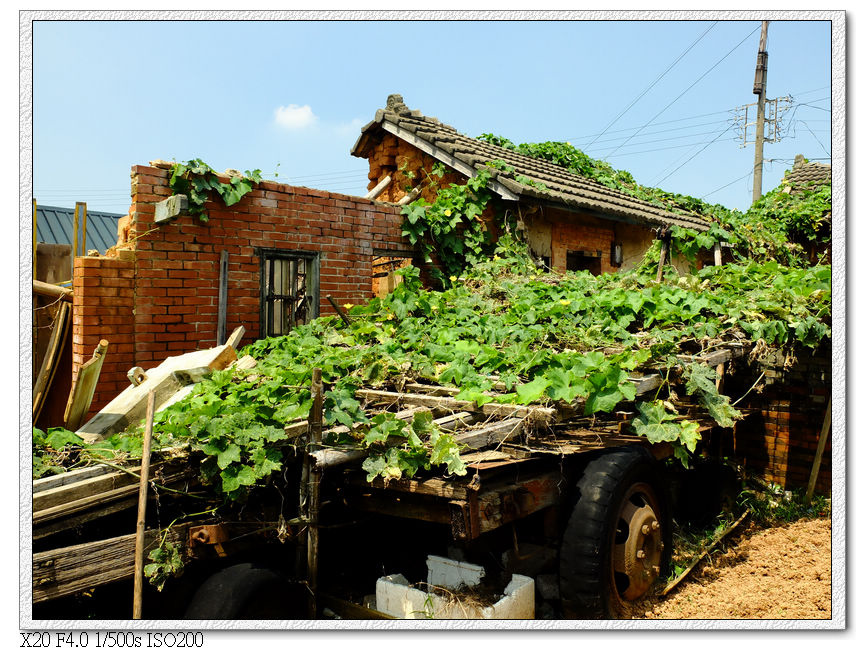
column 289, row 290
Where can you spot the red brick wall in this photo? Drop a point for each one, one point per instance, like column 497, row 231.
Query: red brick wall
column 103, row 308
column 581, row 233
column 172, row 285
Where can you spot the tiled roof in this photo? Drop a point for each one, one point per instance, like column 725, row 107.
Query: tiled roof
column 551, row 182
column 55, row 225
column 808, row 173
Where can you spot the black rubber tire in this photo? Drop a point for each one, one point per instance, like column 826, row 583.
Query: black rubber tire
column 586, row 581
column 247, row 591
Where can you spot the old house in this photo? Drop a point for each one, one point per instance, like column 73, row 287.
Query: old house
column 570, row 222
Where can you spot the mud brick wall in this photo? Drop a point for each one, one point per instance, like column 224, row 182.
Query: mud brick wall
column 168, row 302
column 781, row 442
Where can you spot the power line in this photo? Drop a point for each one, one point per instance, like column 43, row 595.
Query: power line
column 652, row 85
column 815, row 137
column 633, row 128
column 678, row 146
column 694, row 84
column 676, row 137
column 692, row 157
column 727, row 185
column 677, row 128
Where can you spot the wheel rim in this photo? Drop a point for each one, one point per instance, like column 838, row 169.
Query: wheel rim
column 637, row 543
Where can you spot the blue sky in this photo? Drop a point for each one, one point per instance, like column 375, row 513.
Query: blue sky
column 289, row 98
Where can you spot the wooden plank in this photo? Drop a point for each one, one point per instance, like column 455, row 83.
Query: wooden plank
column 222, row 312
column 95, row 500
column 434, row 487
column 73, row 569
column 85, row 385
column 67, row 478
column 236, row 336
column 538, row 413
column 71, row 523
column 56, row 343
column 818, row 456
column 491, row 434
column 348, row 610
column 67, row 493
column 129, row 407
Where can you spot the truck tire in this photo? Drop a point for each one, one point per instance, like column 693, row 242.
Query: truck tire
column 247, row 591
column 617, row 540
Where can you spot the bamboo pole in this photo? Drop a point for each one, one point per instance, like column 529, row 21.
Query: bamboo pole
column 83, row 228
column 315, row 425
column 142, row 510
column 818, row 457
column 74, row 239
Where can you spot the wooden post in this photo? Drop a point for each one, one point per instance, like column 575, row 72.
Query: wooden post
column 717, row 253
column 315, row 424
column 342, row 314
column 142, row 509
column 83, row 229
column 664, row 247
column 818, row 458
column 74, row 242
column 223, row 298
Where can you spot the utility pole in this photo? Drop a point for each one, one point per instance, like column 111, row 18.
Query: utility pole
column 760, row 90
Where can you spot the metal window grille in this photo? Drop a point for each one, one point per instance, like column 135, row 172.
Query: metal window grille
column 289, row 289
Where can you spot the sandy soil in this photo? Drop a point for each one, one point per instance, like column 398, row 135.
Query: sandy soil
column 777, row 573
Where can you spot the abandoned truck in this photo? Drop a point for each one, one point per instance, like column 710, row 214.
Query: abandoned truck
column 465, row 424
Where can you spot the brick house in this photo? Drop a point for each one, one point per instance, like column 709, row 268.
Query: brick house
column 267, row 263
column 570, row 222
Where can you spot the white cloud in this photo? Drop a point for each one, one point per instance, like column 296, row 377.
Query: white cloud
column 295, row 117
column 350, row 128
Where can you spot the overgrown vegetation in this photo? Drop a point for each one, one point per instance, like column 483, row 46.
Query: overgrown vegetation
column 775, row 228
column 196, row 179
column 546, row 338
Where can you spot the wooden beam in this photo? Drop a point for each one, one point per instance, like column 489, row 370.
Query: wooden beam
column 69, row 492
column 52, row 290
column 52, row 357
column 73, row 569
column 491, row 434
column 236, row 336
column 411, row 196
column 539, row 413
column 378, row 189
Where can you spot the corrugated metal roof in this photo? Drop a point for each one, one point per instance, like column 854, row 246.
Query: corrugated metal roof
column 54, row 226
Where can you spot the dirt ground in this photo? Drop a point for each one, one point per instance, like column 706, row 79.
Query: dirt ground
column 776, row 573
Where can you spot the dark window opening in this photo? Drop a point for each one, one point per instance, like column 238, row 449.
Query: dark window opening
column 584, row 261
column 289, row 290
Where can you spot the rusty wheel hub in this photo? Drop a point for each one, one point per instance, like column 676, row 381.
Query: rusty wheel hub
column 637, row 546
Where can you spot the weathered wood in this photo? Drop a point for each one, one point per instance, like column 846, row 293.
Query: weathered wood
column 52, row 290
column 138, row 576
column 73, row 569
column 434, row 487
column 665, row 247
column 491, row 434
column 316, row 417
column 378, row 189
column 101, row 499
column 129, row 407
column 538, row 413
column 245, row 363
column 818, row 456
column 348, row 610
column 717, row 253
column 335, row 456
column 69, row 492
column 670, row 586
column 85, row 385
column 646, row 384
column 56, row 343
column 68, row 478
column 236, row 336
column 514, row 501
column 222, row 312
column 345, row 318
column 411, row 196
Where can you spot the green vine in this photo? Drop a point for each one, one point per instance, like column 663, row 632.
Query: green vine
column 196, row 179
